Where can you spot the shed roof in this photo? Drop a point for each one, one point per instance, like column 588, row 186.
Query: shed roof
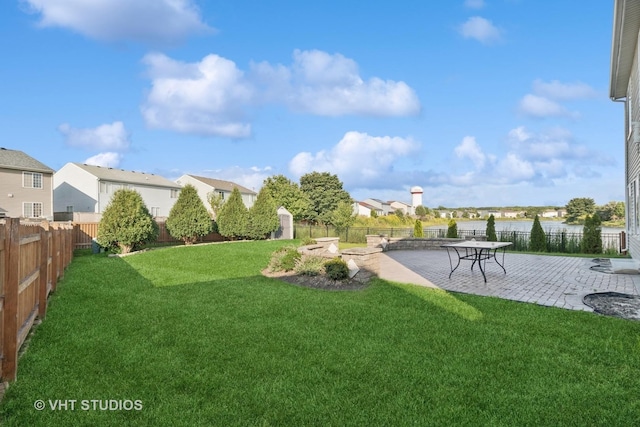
column 15, row 159
column 129, row 177
column 626, row 23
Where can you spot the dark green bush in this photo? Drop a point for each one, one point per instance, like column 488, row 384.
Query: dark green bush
column 491, row 229
column 452, row 229
column 336, row 269
column 538, row 237
column 308, row 241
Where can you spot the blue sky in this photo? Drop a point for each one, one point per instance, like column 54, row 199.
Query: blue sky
column 480, row 102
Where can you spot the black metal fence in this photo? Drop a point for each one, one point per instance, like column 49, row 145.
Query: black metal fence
column 557, row 241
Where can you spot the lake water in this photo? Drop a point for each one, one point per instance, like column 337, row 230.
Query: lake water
column 523, row 226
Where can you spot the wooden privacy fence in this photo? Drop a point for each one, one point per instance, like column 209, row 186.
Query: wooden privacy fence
column 85, row 232
column 32, row 258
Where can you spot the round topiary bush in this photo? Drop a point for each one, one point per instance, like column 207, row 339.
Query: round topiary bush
column 336, row 269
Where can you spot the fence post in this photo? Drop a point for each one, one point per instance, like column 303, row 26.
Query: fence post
column 10, row 303
column 44, row 259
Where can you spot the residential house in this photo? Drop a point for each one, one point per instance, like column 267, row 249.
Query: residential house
column 625, row 87
column 210, row 186
column 384, row 208
column 85, row 188
column 365, row 209
column 553, row 213
column 26, row 186
column 406, row 208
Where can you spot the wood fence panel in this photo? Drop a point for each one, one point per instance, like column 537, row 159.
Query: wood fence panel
column 3, row 273
column 32, row 257
column 10, row 309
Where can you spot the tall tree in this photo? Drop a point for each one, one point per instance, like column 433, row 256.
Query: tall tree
column 580, row 207
column 342, row 217
column 491, row 229
column 126, row 222
column 325, row 192
column 233, row 218
column 538, row 237
column 288, row 194
column 188, row 217
column 263, row 216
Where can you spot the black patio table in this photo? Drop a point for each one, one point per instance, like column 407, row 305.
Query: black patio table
column 477, row 252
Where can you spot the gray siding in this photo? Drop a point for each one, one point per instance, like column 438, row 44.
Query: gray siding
column 13, row 194
column 632, row 114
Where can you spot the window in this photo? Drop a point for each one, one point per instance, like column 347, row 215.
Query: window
column 32, row 210
column 70, row 209
column 175, row 193
column 31, row 180
column 155, row 211
column 221, row 194
column 104, row 187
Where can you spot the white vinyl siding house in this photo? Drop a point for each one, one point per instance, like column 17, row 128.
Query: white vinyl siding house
column 624, row 85
column 26, row 186
column 85, row 188
column 207, row 186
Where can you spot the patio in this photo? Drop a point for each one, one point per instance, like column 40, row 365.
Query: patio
column 556, row 281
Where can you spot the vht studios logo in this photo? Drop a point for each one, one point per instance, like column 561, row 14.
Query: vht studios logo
column 88, row 405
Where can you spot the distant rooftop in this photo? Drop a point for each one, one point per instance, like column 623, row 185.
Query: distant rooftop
column 130, row 177
column 14, row 159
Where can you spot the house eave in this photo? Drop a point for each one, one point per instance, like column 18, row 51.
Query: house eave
column 626, row 24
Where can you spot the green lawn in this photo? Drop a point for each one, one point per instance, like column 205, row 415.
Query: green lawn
column 200, row 338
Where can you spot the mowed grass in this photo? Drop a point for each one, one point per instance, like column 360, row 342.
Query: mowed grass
column 200, row 338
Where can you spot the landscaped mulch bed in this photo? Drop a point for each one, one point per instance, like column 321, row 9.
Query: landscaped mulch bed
column 318, row 282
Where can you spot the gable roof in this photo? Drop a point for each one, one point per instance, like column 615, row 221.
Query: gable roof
column 220, row 184
column 129, row 177
column 14, row 159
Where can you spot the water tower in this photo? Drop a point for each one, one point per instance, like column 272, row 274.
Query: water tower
column 416, row 197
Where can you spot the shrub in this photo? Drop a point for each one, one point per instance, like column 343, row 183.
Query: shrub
column 233, row 218
column 126, row 222
column 491, row 229
column 308, row 241
column 538, row 237
column 263, row 216
column 452, row 230
column 336, row 269
column 189, row 217
column 284, row 259
column 592, row 235
column 417, row 229
column 309, row 265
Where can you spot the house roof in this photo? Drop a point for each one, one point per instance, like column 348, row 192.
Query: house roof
column 368, row 206
column 220, row 184
column 14, row 159
column 129, row 177
column 626, row 23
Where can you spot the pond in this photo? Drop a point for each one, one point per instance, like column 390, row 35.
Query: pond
column 523, row 225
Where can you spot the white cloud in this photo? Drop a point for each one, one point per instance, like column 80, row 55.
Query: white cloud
column 330, row 85
column 474, row 4
column 146, row 21
column 563, row 91
column 358, row 159
column 206, row 98
column 112, row 136
column 480, row 29
column 213, row 97
column 539, row 106
column 108, row 159
column 542, row 103
column 470, row 149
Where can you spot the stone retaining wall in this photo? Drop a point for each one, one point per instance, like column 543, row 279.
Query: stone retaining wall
column 411, row 243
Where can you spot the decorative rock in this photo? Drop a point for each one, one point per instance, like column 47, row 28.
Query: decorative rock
column 353, row 268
